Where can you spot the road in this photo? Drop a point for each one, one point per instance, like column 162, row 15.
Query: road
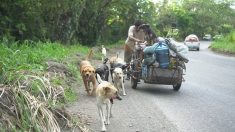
column 205, row 102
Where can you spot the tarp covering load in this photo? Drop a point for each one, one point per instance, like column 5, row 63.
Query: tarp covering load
column 160, row 52
column 180, row 49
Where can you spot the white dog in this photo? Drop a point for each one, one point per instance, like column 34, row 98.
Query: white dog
column 104, row 53
column 118, row 80
column 105, row 93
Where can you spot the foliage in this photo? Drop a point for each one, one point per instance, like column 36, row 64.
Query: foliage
column 226, row 44
column 196, row 17
column 71, row 21
column 92, row 22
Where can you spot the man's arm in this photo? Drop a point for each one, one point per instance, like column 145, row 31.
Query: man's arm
column 131, row 34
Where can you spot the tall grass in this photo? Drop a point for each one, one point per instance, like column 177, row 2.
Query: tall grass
column 35, row 90
column 226, row 44
column 28, row 56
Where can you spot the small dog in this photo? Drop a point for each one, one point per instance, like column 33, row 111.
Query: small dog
column 118, row 80
column 88, row 75
column 105, row 93
column 103, row 70
column 115, row 61
column 104, row 53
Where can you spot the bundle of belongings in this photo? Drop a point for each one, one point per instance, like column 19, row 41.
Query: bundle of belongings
column 163, row 53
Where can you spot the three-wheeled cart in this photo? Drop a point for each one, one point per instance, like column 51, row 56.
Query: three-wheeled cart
column 152, row 72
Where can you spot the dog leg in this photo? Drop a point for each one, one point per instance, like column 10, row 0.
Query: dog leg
column 89, row 88
column 123, row 88
column 111, row 114
column 107, row 75
column 108, row 109
column 86, row 86
column 116, row 86
column 102, row 118
column 111, row 73
column 94, row 87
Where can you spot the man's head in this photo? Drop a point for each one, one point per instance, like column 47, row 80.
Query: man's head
column 137, row 24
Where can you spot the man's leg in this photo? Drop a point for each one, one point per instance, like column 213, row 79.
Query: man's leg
column 127, row 58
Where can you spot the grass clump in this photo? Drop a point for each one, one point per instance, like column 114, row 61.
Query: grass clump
column 226, row 44
column 36, row 79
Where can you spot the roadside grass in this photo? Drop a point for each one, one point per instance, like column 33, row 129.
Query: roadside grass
column 113, row 45
column 225, row 45
column 32, row 57
column 24, row 75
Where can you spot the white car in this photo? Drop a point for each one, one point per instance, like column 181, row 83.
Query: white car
column 207, row 37
column 192, row 42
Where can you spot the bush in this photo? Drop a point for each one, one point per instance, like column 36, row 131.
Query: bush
column 226, row 44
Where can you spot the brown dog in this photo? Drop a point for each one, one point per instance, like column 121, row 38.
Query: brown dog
column 88, row 75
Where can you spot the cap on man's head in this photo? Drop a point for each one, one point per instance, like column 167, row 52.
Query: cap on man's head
column 138, row 23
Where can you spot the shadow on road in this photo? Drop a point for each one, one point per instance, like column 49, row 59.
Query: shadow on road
column 157, row 89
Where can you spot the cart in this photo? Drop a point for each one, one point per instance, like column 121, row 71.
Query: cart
column 153, row 74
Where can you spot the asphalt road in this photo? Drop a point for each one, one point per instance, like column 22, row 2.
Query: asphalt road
column 205, row 102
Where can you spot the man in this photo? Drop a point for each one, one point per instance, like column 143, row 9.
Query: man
column 135, row 35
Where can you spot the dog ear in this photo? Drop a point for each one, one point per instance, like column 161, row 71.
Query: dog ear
column 106, row 89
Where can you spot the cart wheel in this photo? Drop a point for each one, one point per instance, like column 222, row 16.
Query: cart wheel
column 177, row 86
column 134, row 83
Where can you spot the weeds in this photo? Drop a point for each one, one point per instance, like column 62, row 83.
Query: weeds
column 31, row 90
column 226, row 44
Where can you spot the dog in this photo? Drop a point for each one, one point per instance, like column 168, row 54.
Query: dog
column 104, row 53
column 103, row 70
column 87, row 72
column 115, row 61
column 118, row 79
column 105, row 93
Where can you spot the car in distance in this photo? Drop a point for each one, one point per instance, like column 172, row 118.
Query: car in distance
column 192, row 42
column 207, row 37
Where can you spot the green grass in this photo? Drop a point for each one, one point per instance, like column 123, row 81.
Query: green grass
column 33, row 57
column 23, row 66
column 24, row 62
column 113, row 45
column 226, row 44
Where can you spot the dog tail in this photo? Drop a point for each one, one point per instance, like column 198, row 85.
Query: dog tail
column 117, row 54
column 105, row 60
column 89, row 54
column 99, row 80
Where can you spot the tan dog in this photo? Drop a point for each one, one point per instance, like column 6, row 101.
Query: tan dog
column 105, row 93
column 118, row 80
column 88, row 75
column 115, row 61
